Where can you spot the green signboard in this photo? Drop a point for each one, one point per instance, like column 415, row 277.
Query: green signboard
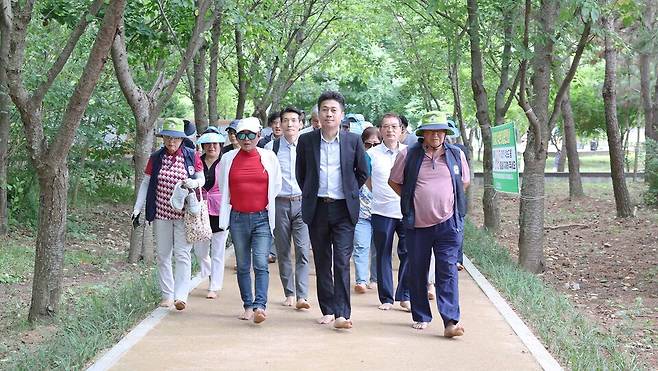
column 505, row 164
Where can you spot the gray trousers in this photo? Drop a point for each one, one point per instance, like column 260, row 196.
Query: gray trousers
column 289, row 226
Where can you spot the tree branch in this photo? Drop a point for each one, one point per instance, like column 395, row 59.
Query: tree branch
column 64, row 55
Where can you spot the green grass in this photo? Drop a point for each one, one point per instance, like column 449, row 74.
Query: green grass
column 92, row 319
column 16, row 261
column 576, row 342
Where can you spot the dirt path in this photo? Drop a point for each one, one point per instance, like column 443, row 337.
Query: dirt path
column 208, row 335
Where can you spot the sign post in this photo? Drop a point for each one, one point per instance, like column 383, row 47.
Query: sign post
column 505, row 163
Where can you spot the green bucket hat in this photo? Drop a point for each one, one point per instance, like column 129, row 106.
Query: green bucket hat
column 435, row 120
column 173, row 127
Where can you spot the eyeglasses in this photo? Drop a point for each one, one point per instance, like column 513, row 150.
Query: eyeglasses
column 168, row 138
column 386, row 127
column 244, row 136
column 369, row 145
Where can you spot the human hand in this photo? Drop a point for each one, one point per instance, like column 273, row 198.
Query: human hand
column 190, row 183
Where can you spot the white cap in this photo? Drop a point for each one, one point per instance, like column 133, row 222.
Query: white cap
column 251, row 124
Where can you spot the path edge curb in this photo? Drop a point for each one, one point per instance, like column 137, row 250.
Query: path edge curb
column 536, row 348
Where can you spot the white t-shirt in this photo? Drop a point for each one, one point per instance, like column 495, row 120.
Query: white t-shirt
column 385, row 201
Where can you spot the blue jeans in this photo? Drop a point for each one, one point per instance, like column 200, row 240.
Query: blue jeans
column 252, row 239
column 362, row 240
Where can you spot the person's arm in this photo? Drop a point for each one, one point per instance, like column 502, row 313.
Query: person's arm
column 397, row 188
column 466, row 171
column 360, row 164
column 141, row 195
column 300, row 165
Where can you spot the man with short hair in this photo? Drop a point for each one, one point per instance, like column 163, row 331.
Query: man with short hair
column 431, row 177
column 387, row 217
column 315, row 121
column 331, row 167
column 406, row 137
column 274, row 126
column 289, row 223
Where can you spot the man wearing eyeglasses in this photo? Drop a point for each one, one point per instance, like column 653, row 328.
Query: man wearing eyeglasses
column 250, row 179
column 331, row 167
column 387, row 217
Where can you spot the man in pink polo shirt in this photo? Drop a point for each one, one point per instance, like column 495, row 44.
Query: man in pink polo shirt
column 431, row 177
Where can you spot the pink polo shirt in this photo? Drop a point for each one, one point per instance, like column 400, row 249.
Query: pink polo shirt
column 434, row 198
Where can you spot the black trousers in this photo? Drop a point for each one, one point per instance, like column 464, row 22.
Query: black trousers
column 332, row 238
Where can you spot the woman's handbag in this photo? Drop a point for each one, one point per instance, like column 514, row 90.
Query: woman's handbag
column 197, row 226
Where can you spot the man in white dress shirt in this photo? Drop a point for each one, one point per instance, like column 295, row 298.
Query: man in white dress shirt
column 387, row 216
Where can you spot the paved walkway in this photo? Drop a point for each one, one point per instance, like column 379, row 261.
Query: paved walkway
column 208, row 335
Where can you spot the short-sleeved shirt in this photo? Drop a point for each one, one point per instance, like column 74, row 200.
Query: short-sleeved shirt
column 385, row 202
column 434, row 197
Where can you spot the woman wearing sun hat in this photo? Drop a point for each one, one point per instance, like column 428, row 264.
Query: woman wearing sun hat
column 211, row 142
column 431, row 177
column 172, row 164
column 250, row 179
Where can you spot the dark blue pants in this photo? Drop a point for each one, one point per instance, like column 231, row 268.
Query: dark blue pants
column 382, row 233
column 445, row 240
column 332, row 238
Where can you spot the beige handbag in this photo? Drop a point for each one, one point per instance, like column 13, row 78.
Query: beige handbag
column 197, row 226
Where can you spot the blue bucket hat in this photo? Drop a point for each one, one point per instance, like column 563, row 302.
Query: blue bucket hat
column 436, row 120
column 173, row 127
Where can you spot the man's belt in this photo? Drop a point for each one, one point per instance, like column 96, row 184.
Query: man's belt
column 328, row 200
column 290, row 198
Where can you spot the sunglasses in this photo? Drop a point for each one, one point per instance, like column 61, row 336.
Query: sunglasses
column 244, row 136
column 369, row 145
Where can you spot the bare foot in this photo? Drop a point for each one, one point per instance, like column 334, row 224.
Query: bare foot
column 360, row 288
column 343, row 323
column 460, row 267
column 430, row 291
column 326, row 319
column 290, row 300
column 179, row 304
column 386, row 306
column 406, row 305
column 302, row 304
column 259, row 315
column 211, row 295
column 419, row 325
column 246, row 316
column 372, row 286
column 166, row 303
column 453, row 330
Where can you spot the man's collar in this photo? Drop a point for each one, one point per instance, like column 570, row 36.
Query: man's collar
column 294, row 143
column 336, row 138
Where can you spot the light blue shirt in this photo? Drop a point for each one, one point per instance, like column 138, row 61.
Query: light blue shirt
column 287, row 156
column 331, row 184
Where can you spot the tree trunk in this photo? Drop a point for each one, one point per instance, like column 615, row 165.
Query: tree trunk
column 5, row 105
column 637, row 155
column 644, row 64
column 242, row 76
column 49, row 257
column 489, row 203
column 144, row 140
column 216, row 31
column 563, row 156
column 622, row 197
column 569, row 137
column 199, row 92
column 531, row 209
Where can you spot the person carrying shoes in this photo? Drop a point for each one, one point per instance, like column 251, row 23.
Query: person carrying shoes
column 171, row 164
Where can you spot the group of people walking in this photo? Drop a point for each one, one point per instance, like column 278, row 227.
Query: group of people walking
column 322, row 192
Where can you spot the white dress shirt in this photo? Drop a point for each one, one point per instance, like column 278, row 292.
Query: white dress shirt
column 331, row 184
column 385, row 201
column 287, row 156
